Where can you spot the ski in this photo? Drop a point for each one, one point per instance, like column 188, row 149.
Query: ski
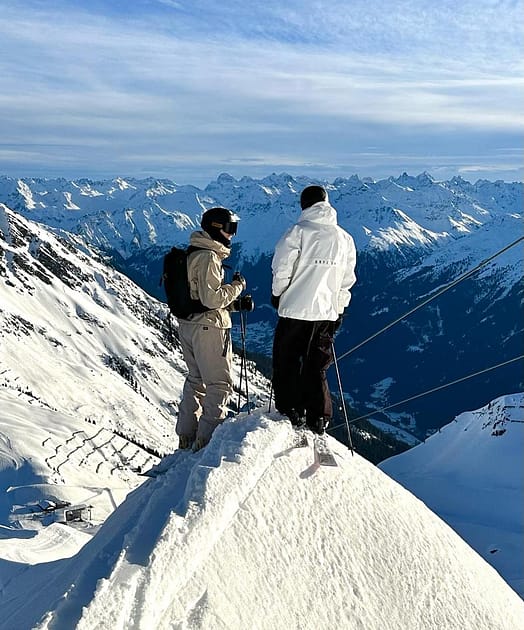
column 300, row 439
column 323, row 454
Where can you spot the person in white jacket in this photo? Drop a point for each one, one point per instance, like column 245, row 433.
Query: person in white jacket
column 313, row 272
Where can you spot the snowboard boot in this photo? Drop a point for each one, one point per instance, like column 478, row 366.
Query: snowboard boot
column 296, row 419
column 185, row 441
column 318, row 425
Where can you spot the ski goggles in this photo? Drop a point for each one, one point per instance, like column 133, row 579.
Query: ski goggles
column 230, row 227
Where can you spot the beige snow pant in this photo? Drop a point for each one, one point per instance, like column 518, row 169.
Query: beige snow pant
column 209, row 384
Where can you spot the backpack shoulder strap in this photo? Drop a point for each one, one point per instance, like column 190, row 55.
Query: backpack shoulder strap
column 192, row 249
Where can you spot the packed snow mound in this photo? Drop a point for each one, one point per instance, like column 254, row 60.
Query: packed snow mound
column 251, row 533
column 470, row 474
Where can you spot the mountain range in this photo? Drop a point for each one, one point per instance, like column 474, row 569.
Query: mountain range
column 90, row 378
column 414, row 236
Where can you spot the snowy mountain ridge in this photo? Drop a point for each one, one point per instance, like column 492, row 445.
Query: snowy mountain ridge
column 469, row 473
column 128, row 215
column 252, row 513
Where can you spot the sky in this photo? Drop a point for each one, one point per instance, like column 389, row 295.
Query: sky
column 189, row 89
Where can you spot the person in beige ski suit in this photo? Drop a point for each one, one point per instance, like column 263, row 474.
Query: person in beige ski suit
column 206, row 337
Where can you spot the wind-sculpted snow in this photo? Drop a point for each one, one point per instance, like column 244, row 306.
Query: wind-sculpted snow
column 250, row 534
column 470, row 474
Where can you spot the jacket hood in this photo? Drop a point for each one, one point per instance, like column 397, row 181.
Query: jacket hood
column 320, row 212
column 203, row 240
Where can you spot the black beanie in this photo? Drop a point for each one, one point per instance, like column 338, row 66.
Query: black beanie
column 311, row 195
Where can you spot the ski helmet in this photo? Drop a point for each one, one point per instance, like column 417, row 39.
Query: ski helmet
column 216, row 219
column 311, row 195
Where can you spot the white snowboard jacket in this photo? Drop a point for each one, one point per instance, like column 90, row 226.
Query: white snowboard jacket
column 314, row 266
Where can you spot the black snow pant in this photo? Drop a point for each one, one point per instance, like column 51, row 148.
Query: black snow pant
column 302, row 352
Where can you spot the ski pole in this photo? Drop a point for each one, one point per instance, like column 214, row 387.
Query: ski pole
column 342, row 399
column 244, row 318
column 243, row 363
column 240, row 384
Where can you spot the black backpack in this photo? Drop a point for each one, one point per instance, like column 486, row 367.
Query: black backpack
column 176, row 284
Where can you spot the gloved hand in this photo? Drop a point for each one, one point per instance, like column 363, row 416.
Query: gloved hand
column 275, row 301
column 338, row 323
column 244, row 303
column 238, row 278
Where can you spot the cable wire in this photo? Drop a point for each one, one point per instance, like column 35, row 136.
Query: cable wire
column 430, row 391
column 433, row 297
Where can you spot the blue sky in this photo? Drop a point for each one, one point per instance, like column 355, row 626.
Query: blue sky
column 189, row 89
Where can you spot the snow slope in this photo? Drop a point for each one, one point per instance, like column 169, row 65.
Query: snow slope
column 90, row 379
column 470, row 474
column 82, row 338
column 249, row 533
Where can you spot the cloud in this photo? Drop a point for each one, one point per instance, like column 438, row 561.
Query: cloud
column 193, row 80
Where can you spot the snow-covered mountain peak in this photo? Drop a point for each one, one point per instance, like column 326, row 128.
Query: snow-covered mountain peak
column 452, row 208
column 226, row 178
column 410, row 182
column 122, row 184
column 86, row 188
column 469, row 473
column 27, row 195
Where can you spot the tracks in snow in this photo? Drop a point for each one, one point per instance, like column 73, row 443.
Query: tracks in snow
column 179, row 517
